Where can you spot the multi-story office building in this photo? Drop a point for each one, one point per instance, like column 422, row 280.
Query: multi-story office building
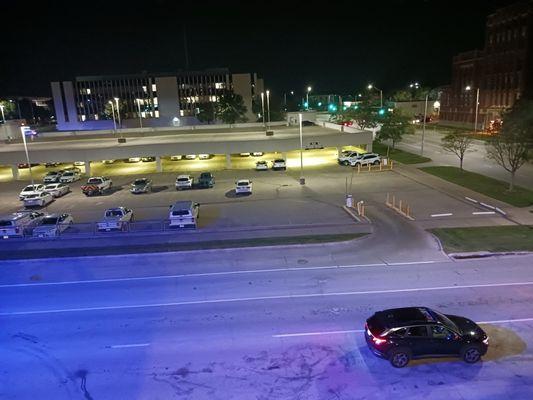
column 89, row 102
column 501, row 72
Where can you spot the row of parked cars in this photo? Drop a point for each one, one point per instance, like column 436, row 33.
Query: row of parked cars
column 354, row 158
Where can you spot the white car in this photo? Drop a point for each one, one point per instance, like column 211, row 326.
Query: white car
column 108, row 161
column 366, row 159
column 38, row 199
column 279, row 164
column 243, row 186
column 205, row 156
column 53, row 225
column 31, row 190
column 184, row 182
column 177, row 157
column 69, row 177
column 257, row 153
column 57, row 189
column 52, row 177
column 79, row 163
column 134, row 159
column 190, row 156
column 244, row 154
column 261, row 166
column 347, row 157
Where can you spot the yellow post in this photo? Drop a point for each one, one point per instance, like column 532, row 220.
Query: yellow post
column 358, row 168
column 388, row 200
column 393, row 201
column 400, row 206
column 363, row 210
column 369, row 167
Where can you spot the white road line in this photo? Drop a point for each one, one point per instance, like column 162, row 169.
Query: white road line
column 483, row 212
column 262, row 298
column 282, row 335
column 125, row 346
column 323, row 333
column 203, row 274
column 441, row 215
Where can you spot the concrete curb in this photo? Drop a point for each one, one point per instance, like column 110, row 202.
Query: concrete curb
column 487, row 254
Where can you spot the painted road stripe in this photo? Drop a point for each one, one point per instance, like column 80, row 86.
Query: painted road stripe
column 125, row 346
column 262, row 298
column 441, row 215
column 483, row 212
column 284, row 335
column 204, row 274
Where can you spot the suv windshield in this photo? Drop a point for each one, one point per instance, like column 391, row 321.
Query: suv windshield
column 49, row 221
column 139, row 182
column 445, row 321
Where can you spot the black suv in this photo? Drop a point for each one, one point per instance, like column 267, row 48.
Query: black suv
column 400, row 334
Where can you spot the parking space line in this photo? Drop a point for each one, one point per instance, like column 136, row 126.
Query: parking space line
column 126, row 346
column 441, row 215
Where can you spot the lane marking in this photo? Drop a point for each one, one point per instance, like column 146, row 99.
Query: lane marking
column 262, row 298
column 483, row 212
column 323, row 333
column 126, row 346
column 203, row 274
column 441, row 215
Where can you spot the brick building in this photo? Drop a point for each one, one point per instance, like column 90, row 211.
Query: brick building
column 502, row 71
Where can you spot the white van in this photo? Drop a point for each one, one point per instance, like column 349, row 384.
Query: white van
column 20, row 223
column 184, row 214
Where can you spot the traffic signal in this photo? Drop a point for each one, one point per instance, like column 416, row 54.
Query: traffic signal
column 320, row 104
column 381, row 111
column 306, row 104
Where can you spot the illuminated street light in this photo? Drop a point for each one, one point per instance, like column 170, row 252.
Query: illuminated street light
column 469, row 88
column 370, row 87
column 307, row 99
column 263, row 108
column 268, row 107
column 118, row 113
column 113, row 113
column 139, row 108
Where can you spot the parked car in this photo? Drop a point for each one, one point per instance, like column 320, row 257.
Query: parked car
column 257, row 153
column 141, row 185
column 53, row 225
column 244, row 154
column 184, row 182
column 26, row 165
column 70, row 176
column 184, row 214
column 19, row 223
column 75, row 169
column 97, row 185
column 134, row 159
column 279, row 164
column 177, row 157
column 115, row 219
column 402, row 334
column 51, row 164
column 147, row 159
column 206, row 180
column 205, row 156
column 79, row 163
column 261, row 166
column 52, row 177
column 347, row 157
column 243, row 186
column 190, row 156
column 57, row 189
column 313, row 146
column 366, row 159
column 38, row 199
column 108, row 161
column 31, row 190
column 308, row 123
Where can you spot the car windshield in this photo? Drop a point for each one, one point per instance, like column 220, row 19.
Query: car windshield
column 180, row 212
column 50, row 221
column 183, row 179
column 279, row 161
column 29, row 189
column 68, row 174
column 32, row 196
column 139, row 182
column 242, row 183
column 445, row 320
column 93, row 181
column 205, row 175
column 113, row 213
column 51, row 187
column 5, row 223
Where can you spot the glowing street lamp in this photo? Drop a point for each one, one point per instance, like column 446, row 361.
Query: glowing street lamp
column 118, row 112
column 113, row 113
column 268, row 107
column 263, row 108
column 139, row 108
column 469, row 88
column 307, row 94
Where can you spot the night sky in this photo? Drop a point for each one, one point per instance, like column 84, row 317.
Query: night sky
column 336, row 47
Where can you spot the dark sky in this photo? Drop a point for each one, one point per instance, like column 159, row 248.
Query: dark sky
column 337, row 47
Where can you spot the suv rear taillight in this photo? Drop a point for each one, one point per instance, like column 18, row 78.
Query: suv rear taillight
column 378, row 341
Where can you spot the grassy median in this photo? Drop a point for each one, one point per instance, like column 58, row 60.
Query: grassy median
column 519, row 197
column 487, row 238
column 400, row 156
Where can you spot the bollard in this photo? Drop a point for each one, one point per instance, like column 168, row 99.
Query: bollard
column 387, row 202
column 358, row 168
column 349, row 200
column 393, row 201
column 400, row 207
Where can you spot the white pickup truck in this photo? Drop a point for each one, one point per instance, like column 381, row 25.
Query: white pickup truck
column 97, row 185
column 116, row 218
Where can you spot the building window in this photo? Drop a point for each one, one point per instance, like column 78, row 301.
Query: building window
column 220, row 85
column 156, row 114
column 154, row 87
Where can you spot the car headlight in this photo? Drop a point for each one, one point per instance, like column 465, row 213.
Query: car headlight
column 486, row 341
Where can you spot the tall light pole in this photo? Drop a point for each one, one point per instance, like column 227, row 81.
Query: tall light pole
column 268, row 108
column 425, row 118
column 3, row 119
column 263, row 108
column 307, row 96
column 118, row 113
column 370, row 87
column 139, row 109
column 27, row 154
column 302, row 179
column 113, row 112
column 468, row 88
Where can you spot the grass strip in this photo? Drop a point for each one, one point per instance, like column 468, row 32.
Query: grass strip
column 486, row 238
column 519, row 197
column 398, row 155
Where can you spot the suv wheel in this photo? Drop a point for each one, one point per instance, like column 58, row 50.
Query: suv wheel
column 345, row 162
column 376, row 162
column 471, row 354
column 399, row 358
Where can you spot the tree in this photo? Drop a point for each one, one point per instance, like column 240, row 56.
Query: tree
column 394, row 126
column 457, row 143
column 207, row 112
column 231, row 109
column 510, row 148
column 9, row 109
column 363, row 114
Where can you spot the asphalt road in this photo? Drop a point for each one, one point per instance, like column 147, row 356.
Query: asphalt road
column 252, row 324
column 475, row 160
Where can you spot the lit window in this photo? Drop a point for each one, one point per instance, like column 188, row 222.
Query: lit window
column 156, row 114
column 83, row 117
column 96, row 118
column 182, row 113
column 154, row 87
column 88, row 91
column 144, row 89
column 219, row 85
column 155, row 101
column 213, row 99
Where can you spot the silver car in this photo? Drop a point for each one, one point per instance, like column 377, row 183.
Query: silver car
column 53, row 225
column 141, row 185
column 38, row 199
column 57, row 189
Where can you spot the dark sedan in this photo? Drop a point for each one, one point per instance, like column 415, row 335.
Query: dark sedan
column 141, row 185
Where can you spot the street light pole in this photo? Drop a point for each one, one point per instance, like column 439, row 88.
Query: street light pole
column 263, row 108
column 424, row 125
column 113, row 113
column 4, row 120
column 302, row 179
column 268, row 108
column 307, row 96
column 477, row 111
column 27, row 154
column 139, row 108
column 118, row 113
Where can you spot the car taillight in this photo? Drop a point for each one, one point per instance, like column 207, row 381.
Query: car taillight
column 378, row 341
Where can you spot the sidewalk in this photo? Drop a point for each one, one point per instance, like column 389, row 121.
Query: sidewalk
column 516, row 215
